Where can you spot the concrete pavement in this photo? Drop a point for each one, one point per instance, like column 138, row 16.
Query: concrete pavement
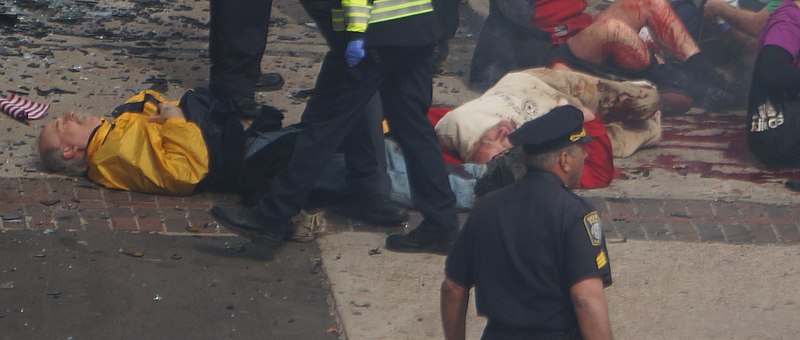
column 102, row 284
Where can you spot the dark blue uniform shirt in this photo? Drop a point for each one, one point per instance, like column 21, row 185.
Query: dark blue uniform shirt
column 523, row 247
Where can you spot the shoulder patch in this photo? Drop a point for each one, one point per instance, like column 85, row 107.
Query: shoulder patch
column 593, row 227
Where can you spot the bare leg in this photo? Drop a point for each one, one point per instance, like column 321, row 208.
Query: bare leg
column 615, row 34
column 611, row 39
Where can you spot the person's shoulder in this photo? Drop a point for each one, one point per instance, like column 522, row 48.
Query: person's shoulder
column 575, row 203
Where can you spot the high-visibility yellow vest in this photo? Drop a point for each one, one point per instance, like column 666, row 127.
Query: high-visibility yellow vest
column 356, row 15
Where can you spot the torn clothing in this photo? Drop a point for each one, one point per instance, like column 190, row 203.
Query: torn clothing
column 525, row 95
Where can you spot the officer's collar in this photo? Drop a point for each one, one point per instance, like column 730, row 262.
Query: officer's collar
column 544, row 175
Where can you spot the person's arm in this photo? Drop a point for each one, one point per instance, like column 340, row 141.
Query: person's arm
column 454, row 302
column 182, row 154
column 749, row 22
column 775, row 70
column 591, row 309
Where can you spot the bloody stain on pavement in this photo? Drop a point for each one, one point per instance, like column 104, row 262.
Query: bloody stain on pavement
column 686, row 137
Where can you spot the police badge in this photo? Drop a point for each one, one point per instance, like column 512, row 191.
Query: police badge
column 593, row 227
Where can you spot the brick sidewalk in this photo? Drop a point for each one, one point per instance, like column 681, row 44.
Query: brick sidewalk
column 70, row 204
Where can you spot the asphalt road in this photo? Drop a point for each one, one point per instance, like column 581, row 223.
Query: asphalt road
column 109, row 285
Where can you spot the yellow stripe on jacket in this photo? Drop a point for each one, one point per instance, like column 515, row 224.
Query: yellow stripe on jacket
column 133, row 153
column 357, row 15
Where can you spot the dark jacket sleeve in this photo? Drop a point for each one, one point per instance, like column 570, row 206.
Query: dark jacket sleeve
column 774, row 70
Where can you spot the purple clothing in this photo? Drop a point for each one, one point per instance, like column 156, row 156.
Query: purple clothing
column 773, row 109
column 783, row 30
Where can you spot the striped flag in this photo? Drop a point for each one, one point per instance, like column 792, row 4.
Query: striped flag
column 22, row 109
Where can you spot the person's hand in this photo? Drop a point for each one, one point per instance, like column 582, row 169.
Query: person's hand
column 354, row 52
column 588, row 114
column 167, row 111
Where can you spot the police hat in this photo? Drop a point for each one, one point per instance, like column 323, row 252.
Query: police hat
column 561, row 127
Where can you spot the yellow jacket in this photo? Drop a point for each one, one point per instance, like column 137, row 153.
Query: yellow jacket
column 134, row 153
column 356, row 15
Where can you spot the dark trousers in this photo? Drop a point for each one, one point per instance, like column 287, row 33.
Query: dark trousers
column 503, row 47
column 363, row 148
column 402, row 76
column 238, row 36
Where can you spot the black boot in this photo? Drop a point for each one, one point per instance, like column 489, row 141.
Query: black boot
column 269, row 119
column 246, row 223
column 701, row 68
column 267, row 82
column 426, row 238
column 247, row 108
column 674, row 77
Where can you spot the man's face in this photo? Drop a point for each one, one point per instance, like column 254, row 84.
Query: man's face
column 577, row 158
column 69, row 129
column 493, row 142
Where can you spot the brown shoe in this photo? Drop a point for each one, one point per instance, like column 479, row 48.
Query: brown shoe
column 674, row 102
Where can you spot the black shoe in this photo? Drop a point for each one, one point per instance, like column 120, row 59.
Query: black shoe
column 375, row 211
column 709, row 92
column 247, row 107
column 699, row 67
column 268, row 120
column 423, row 240
column 267, row 82
column 244, row 223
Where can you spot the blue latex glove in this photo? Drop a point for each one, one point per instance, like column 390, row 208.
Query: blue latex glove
column 354, row 52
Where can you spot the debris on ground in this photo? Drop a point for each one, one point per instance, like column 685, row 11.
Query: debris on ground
column 134, row 253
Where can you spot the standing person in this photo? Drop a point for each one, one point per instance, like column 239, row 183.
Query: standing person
column 534, row 251
column 368, row 183
column 773, row 109
column 237, row 39
column 374, row 48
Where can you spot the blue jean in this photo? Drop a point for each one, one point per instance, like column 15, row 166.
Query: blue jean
column 462, row 184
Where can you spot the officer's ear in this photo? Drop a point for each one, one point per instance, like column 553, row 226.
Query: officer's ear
column 563, row 161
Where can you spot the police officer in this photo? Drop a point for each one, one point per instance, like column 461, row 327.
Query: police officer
column 386, row 47
column 534, row 251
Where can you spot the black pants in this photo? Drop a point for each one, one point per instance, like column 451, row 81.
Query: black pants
column 504, row 47
column 238, row 36
column 402, row 76
column 363, row 148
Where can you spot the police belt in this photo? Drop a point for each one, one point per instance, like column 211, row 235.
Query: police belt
column 495, row 331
